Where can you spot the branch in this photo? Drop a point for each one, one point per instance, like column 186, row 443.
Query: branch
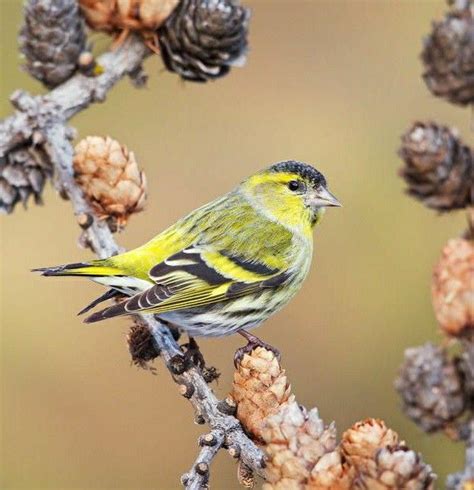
column 41, row 112
column 217, row 414
column 45, row 117
column 198, row 476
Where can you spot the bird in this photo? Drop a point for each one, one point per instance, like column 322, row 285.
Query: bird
column 225, row 267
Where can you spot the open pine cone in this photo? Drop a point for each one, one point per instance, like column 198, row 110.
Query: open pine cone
column 381, row 461
column 439, row 168
column 203, row 39
column 397, row 468
column 431, row 387
column 260, row 387
column 52, row 39
column 300, row 450
column 118, row 15
column 448, row 56
column 110, row 178
column 361, row 442
column 453, row 288
column 23, row 173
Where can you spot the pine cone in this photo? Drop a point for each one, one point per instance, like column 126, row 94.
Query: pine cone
column 331, row 473
column 453, row 288
column 110, row 178
column 360, row 443
column 52, row 39
column 430, row 387
column 448, row 56
column 295, row 442
column 202, row 39
column 23, row 173
column 141, row 346
column 260, row 387
column 117, row 15
column 380, row 461
column 439, row 168
column 396, row 468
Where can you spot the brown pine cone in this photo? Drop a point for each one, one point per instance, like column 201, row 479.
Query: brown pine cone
column 397, row 468
column 430, row 387
column 52, row 39
column 295, row 441
column 117, row 15
column 380, row 461
column 110, row 179
column 439, row 168
column 141, row 346
column 452, row 288
column 360, row 443
column 203, row 39
column 23, row 173
column 448, row 56
column 260, row 387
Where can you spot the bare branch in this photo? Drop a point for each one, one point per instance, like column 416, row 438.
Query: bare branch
column 198, row 475
column 41, row 112
column 98, row 235
column 214, row 412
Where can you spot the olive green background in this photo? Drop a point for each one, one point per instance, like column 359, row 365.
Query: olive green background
column 333, row 83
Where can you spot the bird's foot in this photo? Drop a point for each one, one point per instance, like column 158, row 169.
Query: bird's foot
column 253, row 343
column 193, row 354
column 174, row 329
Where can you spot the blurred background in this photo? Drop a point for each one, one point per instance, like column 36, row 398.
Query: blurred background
column 333, row 83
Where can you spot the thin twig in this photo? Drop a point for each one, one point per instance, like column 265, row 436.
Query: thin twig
column 44, row 117
column 198, row 476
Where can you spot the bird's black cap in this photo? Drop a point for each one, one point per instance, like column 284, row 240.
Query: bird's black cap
column 304, row 170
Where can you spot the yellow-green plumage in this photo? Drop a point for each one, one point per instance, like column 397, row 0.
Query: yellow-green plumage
column 227, row 265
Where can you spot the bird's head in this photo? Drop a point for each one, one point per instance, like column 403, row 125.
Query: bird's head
column 292, row 193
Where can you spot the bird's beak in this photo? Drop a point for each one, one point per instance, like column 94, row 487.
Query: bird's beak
column 322, row 198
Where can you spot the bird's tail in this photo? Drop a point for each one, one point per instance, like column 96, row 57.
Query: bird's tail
column 95, row 268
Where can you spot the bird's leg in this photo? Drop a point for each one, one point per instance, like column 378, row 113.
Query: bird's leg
column 174, row 329
column 152, row 43
column 253, row 342
column 192, row 353
column 120, row 39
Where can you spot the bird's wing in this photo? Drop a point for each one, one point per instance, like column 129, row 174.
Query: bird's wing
column 194, row 277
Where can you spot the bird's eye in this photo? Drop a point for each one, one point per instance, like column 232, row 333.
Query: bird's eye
column 295, row 185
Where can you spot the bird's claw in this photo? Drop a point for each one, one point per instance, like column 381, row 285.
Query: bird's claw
column 253, row 343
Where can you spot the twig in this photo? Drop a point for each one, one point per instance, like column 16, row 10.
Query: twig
column 41, row 112
column 198, row 476
column 465, row 478
column 218, row 414
column 45, row 117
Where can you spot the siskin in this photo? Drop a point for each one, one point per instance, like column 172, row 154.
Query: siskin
column 227, row 266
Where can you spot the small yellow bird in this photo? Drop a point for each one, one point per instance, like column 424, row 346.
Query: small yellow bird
column 227, row 266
